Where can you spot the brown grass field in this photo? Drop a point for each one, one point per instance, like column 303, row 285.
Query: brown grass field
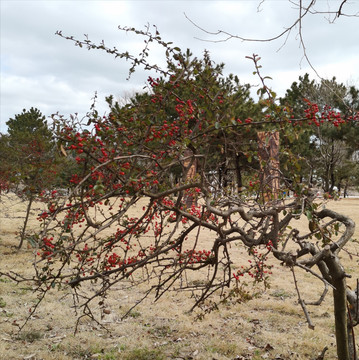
column 269, row 326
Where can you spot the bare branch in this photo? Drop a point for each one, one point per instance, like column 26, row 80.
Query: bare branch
column 301, row 301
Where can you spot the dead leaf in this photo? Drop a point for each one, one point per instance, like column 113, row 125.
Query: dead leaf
column 268, row 347
column 29, row 357
column 63, row 150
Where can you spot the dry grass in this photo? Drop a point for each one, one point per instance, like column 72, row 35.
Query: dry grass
column 270, row 326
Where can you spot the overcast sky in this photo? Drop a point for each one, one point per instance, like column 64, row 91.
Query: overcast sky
column 42, row 70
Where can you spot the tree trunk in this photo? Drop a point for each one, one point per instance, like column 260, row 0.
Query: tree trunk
column 23, row 231
column 345, row 190
column 268, row 154
column 326, row 185
column 351, row 343
column 353, row 320
column 339, row 187
column 190, row 170
column 340, row 314
column 332, row 181
column 340, row 306
column 239, row 174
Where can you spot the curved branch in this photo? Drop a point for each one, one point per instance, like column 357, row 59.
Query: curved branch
column 349, row 227
column 231, row 36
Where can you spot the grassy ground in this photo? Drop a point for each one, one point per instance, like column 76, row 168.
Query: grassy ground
column 269, row 326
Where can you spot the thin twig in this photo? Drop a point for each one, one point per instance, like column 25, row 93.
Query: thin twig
column 301, row 301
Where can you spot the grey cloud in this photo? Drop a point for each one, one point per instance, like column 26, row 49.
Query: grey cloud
column 43, row 70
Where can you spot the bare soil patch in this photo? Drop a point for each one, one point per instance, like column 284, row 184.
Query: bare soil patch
column 269, row 326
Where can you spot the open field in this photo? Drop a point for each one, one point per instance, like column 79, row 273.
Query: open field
column 269, row 326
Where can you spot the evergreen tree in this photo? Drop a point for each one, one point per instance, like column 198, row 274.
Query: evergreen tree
column 325, row 149
column 28, row 158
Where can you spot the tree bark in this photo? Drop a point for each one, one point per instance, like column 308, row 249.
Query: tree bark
column 340, row 305
column 239, row 174
column 268, row 154
column 353, row 313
